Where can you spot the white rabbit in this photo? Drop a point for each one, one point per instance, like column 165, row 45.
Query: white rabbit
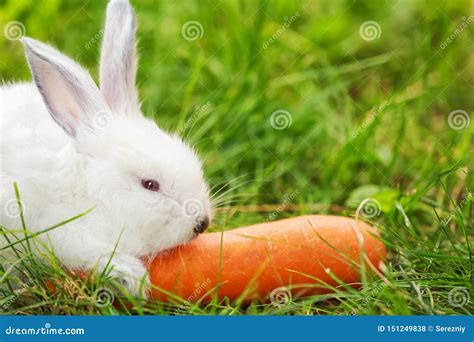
column 71, row 147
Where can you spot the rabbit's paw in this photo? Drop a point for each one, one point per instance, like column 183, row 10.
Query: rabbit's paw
column 132, row 274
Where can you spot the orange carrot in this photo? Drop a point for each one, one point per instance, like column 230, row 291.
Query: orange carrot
column 303, row 254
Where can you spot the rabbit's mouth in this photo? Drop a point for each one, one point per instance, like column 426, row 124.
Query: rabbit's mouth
column 147, row 258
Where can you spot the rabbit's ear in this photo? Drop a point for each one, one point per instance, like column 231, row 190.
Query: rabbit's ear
column 118, row 61
column 68, row 90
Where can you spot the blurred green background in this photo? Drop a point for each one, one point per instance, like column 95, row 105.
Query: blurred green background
column 319, row 69
column 365, row 113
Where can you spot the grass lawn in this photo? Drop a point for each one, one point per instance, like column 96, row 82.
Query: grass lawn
column 297, row 107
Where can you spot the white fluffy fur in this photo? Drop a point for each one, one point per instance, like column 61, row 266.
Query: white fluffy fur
column 80, row 160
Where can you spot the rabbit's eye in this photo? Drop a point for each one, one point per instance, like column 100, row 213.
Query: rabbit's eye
column 151, row 185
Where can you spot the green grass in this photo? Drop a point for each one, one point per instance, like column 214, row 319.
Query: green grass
column 369, row 120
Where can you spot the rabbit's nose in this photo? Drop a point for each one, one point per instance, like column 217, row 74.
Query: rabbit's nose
column 202, row 226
